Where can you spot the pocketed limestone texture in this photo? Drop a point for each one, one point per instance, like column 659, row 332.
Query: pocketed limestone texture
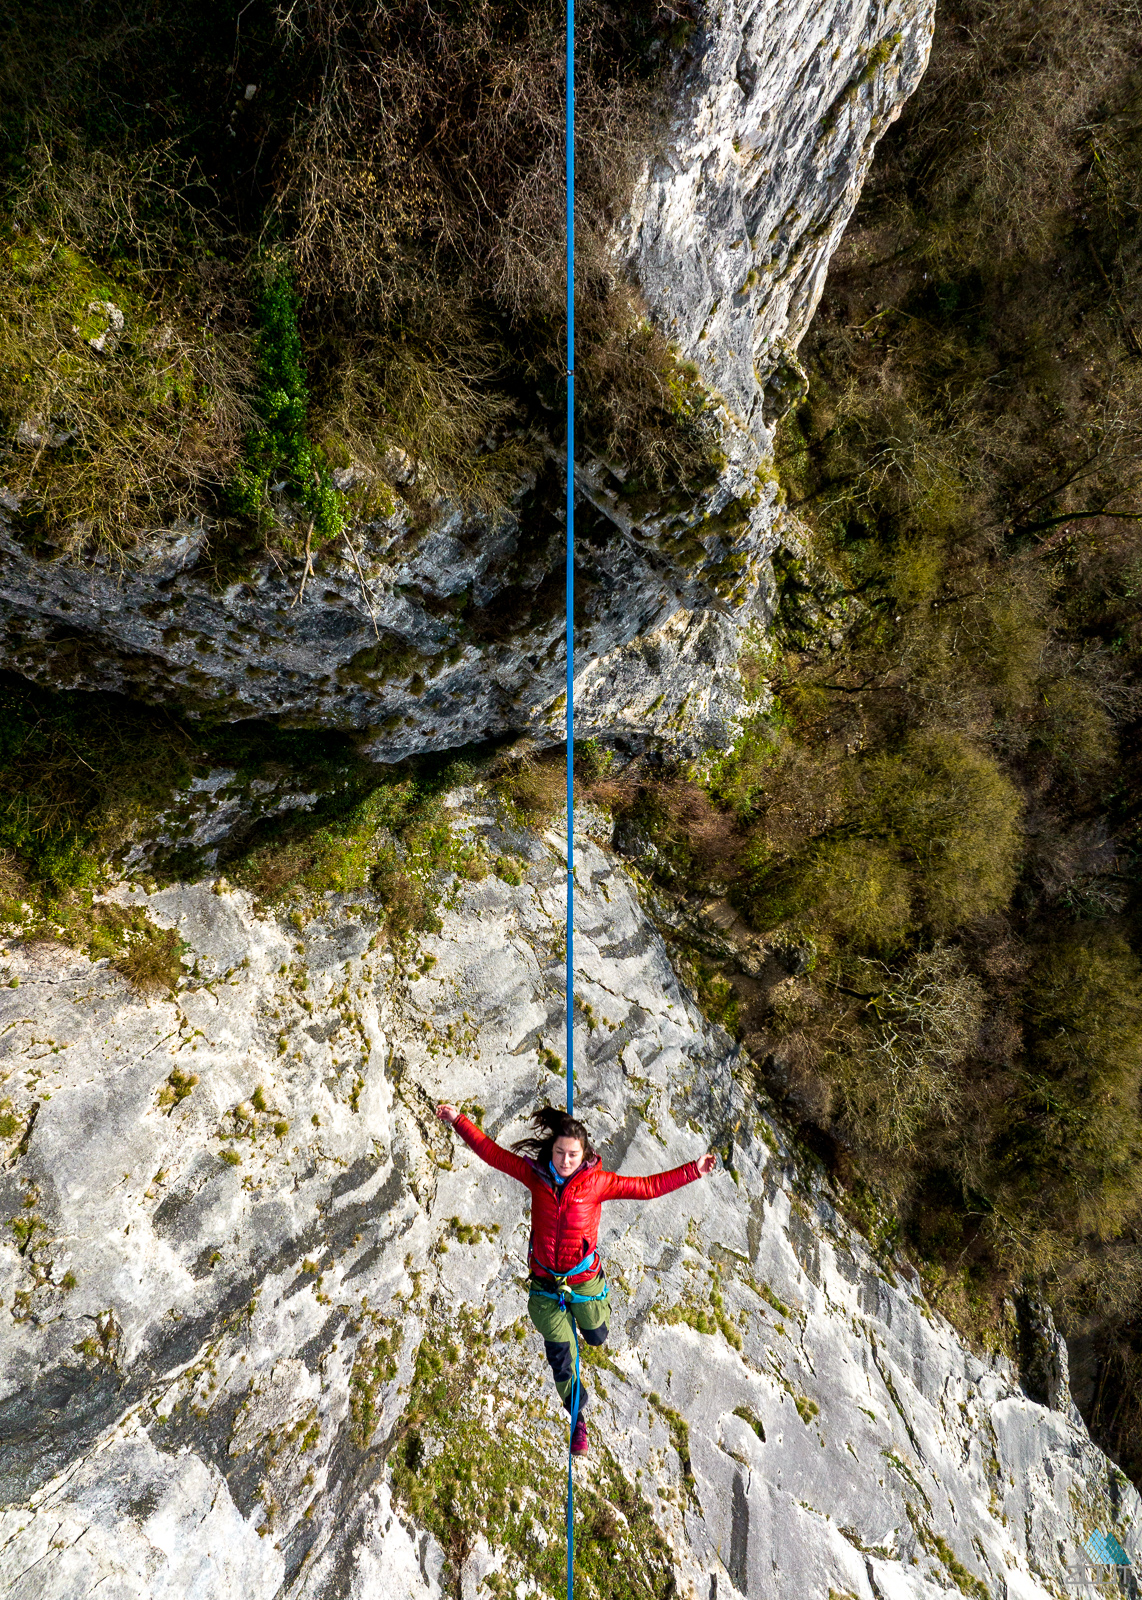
column 265, row 1319
column 428, row 640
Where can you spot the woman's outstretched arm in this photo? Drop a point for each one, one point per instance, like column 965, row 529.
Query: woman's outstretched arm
column 487, row 1149
column 658, row 1183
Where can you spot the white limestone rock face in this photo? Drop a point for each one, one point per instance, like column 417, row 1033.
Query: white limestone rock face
column 773, row 130
column 676, row 686
column 136, row 1523
column 264, row 1331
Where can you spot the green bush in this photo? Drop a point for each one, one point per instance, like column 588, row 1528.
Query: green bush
column 282, row 444
column 740, row 778
column 857, row 889
column 956, row 819
column 1075, row 729
column 1074, row 1150
column 925, row 836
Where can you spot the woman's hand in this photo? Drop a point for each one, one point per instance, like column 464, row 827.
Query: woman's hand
column 706, row 1164
column 447, row 1114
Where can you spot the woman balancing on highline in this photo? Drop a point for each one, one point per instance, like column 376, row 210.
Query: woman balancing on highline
column 568, row 1185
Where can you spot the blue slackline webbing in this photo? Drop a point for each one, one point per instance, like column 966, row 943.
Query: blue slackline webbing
column 570, row 150
column 570, row 625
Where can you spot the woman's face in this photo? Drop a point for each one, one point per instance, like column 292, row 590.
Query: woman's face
column 567, row 1156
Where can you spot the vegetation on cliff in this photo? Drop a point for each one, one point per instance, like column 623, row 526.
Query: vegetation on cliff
column 227, row 268
column 242, row 247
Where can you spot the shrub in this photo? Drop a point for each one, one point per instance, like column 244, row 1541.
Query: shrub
column 1074, row 728
column 1007, row 630
column 741, row 778
column 692, row 839
column 537, row 790
column 428, row 393
column 857, row 888
column 282, row 444
column 918, row 1022
column 956, row 818
column 431, row 149
column 153, row 959
column 75, row 772
column 353, row 846
column 927, row 834
column 403, row 166
column 1074, row 1149
column 107, row 442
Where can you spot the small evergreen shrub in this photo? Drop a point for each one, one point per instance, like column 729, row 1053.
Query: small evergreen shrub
column 281, row 445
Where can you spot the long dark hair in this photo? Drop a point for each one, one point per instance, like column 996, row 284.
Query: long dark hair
column 550, row 1123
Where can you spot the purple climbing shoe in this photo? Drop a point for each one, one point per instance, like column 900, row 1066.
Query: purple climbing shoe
column 579, row 1445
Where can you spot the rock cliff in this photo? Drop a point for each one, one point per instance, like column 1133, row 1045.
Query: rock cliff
column 773, row 131
column 433, row 627
column 264, row 1327
column 270, row 1333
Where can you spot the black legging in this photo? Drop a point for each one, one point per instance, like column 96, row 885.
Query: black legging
column 561, row 1360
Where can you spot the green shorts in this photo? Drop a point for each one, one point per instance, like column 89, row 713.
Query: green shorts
column 555, row 1324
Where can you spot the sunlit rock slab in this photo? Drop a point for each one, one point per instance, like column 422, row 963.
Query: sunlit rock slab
column 215, row 1401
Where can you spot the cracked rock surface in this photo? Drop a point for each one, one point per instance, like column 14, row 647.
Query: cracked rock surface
column 264, row 1327
column 430, row 638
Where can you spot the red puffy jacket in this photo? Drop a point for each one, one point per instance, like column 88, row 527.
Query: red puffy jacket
column 565, row 1217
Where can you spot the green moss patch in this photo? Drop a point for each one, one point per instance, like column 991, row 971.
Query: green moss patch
column 966, row 1582
column 462, row 1478
column 708, row 1318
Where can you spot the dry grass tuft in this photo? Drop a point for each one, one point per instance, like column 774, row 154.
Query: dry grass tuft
column 434, row 146
column 429, row 392
column 535, row 788
column 152, row 960
column 116, row 420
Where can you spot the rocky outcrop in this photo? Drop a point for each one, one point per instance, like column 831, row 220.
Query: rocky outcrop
column 265, row 1329
column 436, row 628
column 772, row 134
column 427, row 638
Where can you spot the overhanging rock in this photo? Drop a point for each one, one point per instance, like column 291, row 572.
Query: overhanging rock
column 440, row 629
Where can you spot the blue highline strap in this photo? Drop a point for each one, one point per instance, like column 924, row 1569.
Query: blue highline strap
column 561, row 1296
column 570, row 625
column 570, row 1488
column 570, row 149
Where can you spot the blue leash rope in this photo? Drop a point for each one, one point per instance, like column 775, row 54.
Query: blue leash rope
column 570, row 147
column 561, row 1296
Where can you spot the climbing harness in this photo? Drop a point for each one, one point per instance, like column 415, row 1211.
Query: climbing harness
column 559, row 1279
column 563, row 1291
